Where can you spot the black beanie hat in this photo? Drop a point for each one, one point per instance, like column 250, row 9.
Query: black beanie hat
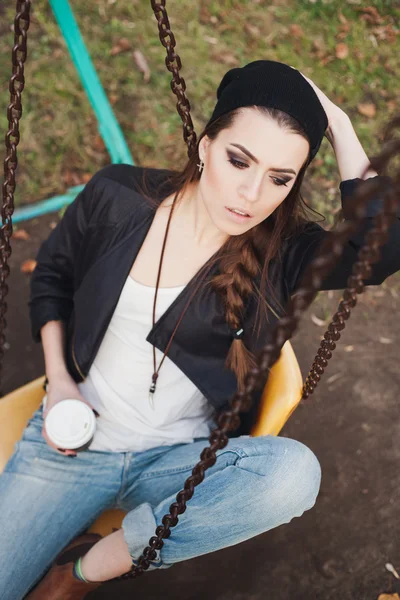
column 277, row 85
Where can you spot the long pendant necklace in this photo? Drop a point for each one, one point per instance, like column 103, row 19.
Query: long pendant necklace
column 206, row 269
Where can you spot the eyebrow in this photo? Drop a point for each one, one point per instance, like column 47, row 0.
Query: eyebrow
column 249, row 154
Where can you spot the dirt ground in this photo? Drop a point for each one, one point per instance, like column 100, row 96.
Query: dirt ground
column 340, row 547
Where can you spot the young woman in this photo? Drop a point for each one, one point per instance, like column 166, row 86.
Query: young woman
column 237, row 240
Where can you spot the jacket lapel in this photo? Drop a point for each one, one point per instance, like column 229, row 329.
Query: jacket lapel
column 100, row 289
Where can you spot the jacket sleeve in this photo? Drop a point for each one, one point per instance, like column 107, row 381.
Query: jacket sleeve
column 303, row 248
column 52, row 282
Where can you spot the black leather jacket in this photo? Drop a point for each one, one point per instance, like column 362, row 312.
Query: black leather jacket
column 83, row 265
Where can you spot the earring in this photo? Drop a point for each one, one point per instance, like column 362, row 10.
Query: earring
column 201, row 165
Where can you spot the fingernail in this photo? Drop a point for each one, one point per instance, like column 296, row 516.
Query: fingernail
column 65, row 452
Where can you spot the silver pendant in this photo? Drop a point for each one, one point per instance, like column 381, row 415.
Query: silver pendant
column 151, row 399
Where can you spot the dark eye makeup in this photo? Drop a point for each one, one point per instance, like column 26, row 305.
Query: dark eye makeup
column 241, row 165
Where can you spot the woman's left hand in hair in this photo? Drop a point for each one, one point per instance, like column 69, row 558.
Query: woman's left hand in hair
column 333, row 112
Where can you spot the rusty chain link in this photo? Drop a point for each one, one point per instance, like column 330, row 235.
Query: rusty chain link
column 14, row 113
column 173, row 64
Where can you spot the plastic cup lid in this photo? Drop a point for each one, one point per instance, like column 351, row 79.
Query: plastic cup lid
column 70, row 424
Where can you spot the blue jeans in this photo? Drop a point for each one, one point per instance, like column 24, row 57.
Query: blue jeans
column 47, row 499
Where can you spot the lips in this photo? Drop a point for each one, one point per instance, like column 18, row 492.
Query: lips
column 233, row 208
column 236, row 217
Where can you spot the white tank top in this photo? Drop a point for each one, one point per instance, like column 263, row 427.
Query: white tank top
column 119, row 379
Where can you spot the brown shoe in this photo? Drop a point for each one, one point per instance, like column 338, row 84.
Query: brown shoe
column 59, row 582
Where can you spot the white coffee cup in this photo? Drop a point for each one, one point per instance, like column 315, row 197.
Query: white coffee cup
column 70, row 424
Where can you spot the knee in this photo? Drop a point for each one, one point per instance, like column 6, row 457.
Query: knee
column 303, row 477
column 292, row 480
column 288, row 466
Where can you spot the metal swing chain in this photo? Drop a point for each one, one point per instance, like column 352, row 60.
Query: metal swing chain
column 178, row 84
column 367, row 255
column 328, row 255
column 361, row 270
column 14, row 113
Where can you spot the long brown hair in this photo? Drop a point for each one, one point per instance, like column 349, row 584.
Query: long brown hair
column 244, row 259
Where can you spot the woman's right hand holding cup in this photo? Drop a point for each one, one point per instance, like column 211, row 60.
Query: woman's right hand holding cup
column 62, row 388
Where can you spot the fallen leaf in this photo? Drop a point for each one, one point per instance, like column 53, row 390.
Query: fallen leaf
column 319, row 48
column 21, row 234
column 370, row 15
column 210, row 40
column 252, row 30
column 98, row 143
column 342, row 51
column 386, row 33
column 71, row 178
column 334, row 377
column 326, row 60
column 343, row 31
column 53, row 225
column 389, row 596
column 368, row 110
column 86, row 177
column 385, row 340
column 142, row 65
column 121, row 46
column 58, row 53
column 348, row 348
column 204, row 14
column 28, row 265
column 225, row 57
column 296, row 31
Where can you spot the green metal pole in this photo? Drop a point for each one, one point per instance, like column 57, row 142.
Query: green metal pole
column 37, row 209
column 109, row 128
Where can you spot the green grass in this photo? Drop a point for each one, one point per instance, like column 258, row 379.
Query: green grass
column 59, row 130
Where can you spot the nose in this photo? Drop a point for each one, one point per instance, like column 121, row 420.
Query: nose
column 252, row 188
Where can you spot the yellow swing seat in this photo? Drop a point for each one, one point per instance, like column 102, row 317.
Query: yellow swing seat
column 281, row 395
